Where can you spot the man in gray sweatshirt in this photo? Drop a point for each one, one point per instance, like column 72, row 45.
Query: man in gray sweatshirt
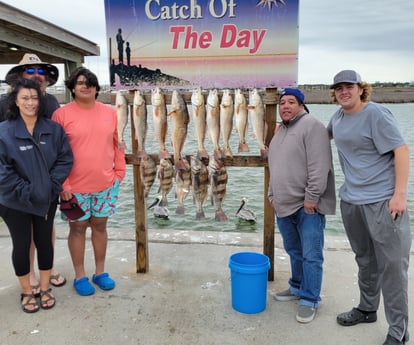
column 302, row 192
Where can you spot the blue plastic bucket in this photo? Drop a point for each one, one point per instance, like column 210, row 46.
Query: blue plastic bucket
column 249, row 281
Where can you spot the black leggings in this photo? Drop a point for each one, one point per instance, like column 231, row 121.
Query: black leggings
column 20, row 228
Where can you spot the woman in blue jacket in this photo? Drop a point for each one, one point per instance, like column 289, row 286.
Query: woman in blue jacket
column 35, row 159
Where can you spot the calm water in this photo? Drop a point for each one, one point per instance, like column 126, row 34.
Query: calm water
column 242, row 182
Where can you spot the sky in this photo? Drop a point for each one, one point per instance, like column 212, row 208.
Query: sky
column 374, row 37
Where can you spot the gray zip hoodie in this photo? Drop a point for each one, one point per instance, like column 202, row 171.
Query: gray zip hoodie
column 300, row 165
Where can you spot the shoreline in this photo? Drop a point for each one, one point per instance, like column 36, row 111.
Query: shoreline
column 315, row 94
column 379, row 95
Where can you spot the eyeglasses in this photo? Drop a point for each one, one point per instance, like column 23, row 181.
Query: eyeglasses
column 32, row 70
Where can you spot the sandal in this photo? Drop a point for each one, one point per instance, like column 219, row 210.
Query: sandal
column 356, row 316
column 44, row 303
column 30, row 297
column 35, row 290
column 57, row 277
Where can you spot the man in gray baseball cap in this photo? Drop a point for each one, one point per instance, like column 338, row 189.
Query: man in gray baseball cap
column 375, row 160
column 346, row 76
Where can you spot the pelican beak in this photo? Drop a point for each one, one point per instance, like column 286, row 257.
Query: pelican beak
column 241, row 206
column 153, row 204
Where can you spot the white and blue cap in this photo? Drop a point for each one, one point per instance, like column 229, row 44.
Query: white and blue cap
column 298, row 95
column 346, row 76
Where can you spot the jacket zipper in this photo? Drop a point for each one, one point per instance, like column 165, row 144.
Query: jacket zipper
column 37, row 144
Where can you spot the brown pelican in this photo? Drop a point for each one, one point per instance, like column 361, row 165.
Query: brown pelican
column 245, row 213
column 160, row 209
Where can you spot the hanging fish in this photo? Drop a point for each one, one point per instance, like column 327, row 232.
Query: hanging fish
column 159, row 210
column 140, row 121
column 213, row 121
column 199, row 118
column 226, row 121
column 244, row 213
column 257, row 116
column 121, row 106
column 148, row 171
column 241, row 115
column 218, row 182
column 182, row 186
column 179, row 112
column 159, row 119
column 199, row 185
column 165, row 176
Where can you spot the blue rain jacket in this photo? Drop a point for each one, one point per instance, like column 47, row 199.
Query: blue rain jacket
column 32, row 168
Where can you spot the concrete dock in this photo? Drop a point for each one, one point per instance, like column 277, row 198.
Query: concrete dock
column 185, row 298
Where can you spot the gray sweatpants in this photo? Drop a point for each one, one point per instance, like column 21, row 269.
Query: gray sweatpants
column 382, row 250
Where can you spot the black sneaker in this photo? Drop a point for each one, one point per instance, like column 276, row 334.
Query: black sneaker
column 356, row 316
column 392, row 341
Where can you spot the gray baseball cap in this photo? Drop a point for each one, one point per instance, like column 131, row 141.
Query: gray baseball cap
column 346, row 76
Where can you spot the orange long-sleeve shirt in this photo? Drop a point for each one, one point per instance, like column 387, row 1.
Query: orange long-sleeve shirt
column 92, row 134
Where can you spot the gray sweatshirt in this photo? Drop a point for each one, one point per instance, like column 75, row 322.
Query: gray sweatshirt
column 300, row 166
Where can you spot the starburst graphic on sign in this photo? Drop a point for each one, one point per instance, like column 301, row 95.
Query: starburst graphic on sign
column 270, row 3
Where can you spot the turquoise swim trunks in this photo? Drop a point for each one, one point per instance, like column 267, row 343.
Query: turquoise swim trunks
column 98, row 204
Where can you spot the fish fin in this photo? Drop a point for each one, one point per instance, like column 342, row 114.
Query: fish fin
column 243, row 147
column 180, row 210
column 263, row 153
column 220, row 216
column 200, row 215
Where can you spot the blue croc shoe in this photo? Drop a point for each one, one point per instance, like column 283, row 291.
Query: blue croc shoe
column 83, row 287
column 103, row 281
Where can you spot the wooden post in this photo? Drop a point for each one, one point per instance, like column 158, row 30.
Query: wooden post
column 141, row 224
column 269, row 214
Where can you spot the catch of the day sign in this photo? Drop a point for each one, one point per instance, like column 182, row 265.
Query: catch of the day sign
column 206, row 43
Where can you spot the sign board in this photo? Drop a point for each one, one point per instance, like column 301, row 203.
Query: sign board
column 207, row 43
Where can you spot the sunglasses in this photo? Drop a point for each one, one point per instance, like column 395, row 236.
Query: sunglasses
column 32, row 70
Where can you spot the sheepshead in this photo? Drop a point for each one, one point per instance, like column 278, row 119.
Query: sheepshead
column 121, row 106
column 199, row 118
column 159, row 119
column 140, row 121
column 213, row 121
column 241, row 115
column 165, row 176
column 257, row 116
column 226, row 121
column 218, row 183
column 199, row 185
column 182, row 186
column 179, row 113
column 148, row 171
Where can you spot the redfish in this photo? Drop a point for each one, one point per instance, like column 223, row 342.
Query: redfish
column 241, row 116
column 140, row 122
column 226, row 121
column 159, row 119
column 199, row 119
column 179, row 113
column 121, row 106
column 213, row 121
column 257, row 116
